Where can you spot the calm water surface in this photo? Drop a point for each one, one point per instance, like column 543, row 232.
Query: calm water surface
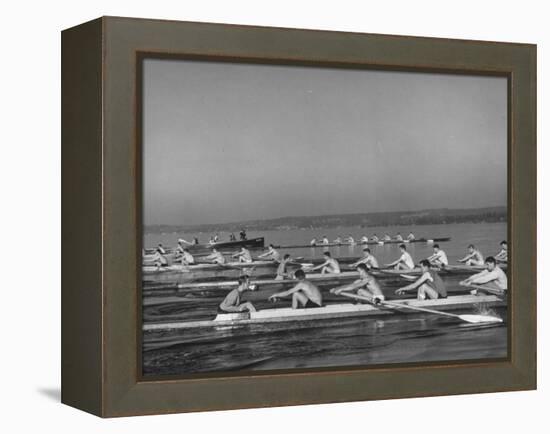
column 357, row 341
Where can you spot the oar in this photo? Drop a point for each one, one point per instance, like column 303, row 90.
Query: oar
column 493, row 291
column 474, row 319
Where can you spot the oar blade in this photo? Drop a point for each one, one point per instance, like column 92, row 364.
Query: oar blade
column 477, row 319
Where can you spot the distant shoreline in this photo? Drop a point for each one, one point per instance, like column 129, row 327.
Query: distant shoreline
column 363, row 220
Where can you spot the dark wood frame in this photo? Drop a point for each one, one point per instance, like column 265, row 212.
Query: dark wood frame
column 101, row 192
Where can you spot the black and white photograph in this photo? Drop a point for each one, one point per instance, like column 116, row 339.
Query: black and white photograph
column 298, row 217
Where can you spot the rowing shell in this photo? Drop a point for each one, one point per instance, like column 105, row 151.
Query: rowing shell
column 368, row 243
column 147, row 269
column 327, row 312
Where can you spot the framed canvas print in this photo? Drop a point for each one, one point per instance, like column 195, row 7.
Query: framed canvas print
column 282, row 216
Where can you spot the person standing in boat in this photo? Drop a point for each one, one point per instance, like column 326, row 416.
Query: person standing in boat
column 368, row 259
column 242, row 235
column 282, row 272
column 232, row 302
column 411, row 237
column 429, row 284
column 271, row 253
column 493, row 278
column 366, row 286
column 399, row 237
column 439, row 258
column 186, row 258
column 195, row 241
column 405, row 261
column 243, row 255
column 330, row 265
column 502, row 256
column 474, row 257
column 216, row 257
column 305, row 294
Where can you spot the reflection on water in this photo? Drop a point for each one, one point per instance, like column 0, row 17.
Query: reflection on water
column 338, row 342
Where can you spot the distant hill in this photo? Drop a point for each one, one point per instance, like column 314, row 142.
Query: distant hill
column 396, row 218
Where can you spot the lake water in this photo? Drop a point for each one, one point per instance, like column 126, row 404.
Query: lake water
column 326, row 343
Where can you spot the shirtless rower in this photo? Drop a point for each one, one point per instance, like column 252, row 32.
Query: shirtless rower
column 313, row 242
column 305, row 294
column 159, row 260
column 399, row 237
column 429, row 284
column 439, row 258
column 282, row 272
column 387, row 237
column 493, row 278
column 368, row 259
column 366, row 286
column 405, row 261
column 232, row 302
column 330, row 265
column 325, row 240
column 502, row 256
column 364, row 239
column 216, row 257
column 271, row 253
column 474, row 257
column 243, row 255
column 411, row 236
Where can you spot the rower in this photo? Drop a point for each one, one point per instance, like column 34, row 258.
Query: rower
column 338, row 240
column 366, row 286
column 181, row 241
column 350, row 239
column 474, row 257
column 195, row 241
column 271, row 254
column 313, row 242
column 186, row 258
column 368, row 259
column 159, row 259
column 243, row 255
column 330, row 265
column 364, row 239
column 387, row 237
column 439, row 258
column 160, row 249
column 325, row 240
column 429, row 284
column 492, row 278
column 411, row 237
column 405, row 261
column 216, row 257
column 282, row 272
column 502, row 256
column 216, row 238
column 399, row 237
column 232, row 237
column 232, row 302
column 305, row 294
column 242, row 235
column 211, row 241
column 375, row 238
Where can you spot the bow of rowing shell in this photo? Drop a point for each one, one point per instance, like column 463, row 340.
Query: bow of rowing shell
column 344, row 310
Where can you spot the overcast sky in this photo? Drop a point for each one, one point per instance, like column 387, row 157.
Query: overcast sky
column 227, row 142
